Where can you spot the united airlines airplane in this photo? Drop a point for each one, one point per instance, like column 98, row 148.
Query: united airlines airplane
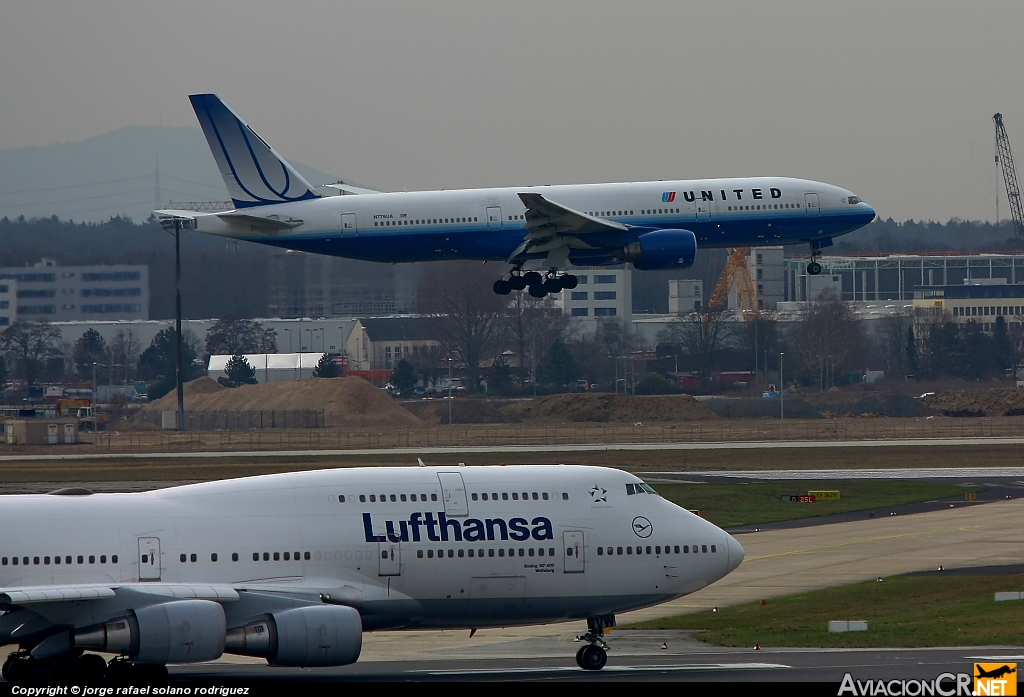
column 295, row 567
column 652, row 225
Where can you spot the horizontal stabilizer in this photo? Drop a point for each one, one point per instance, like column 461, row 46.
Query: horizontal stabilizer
column 253, row 172
column 268, row 224
column 349, row 189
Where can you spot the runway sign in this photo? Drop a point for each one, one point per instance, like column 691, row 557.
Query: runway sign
column 824, row 495
column 799, row 498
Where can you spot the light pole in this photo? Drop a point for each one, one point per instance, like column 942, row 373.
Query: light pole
column 95, row 438
column 449, row 359
column 177, row 325
column 782, row 399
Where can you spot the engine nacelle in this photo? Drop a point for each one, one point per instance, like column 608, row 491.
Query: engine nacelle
column 318, row 635
column 181, row 631
column 661, row 249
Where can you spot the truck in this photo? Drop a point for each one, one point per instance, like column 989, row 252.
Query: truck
column 82, row 409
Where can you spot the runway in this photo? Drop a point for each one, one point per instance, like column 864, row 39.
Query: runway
column 416, row 452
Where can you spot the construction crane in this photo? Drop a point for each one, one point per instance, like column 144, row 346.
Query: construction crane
column 1009, row 177
column 736, row 273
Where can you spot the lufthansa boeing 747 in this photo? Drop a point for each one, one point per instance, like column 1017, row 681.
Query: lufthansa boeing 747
column 295, row 567
column 652, row 225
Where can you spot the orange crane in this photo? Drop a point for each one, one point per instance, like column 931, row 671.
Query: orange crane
column 736, row 273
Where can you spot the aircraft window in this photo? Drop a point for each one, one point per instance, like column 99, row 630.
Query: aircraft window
column 504, row 497
column 565, row 497
column 67, row 560
column 490, row 552
column 103, row 559
column 462, row 552
column 419, row 553
column 515, row 496
column 412, row 497
column 255, row 556
column 287, row 556
column 341, row 498
column 3, row 561
column 373, row 498
column 277, row 556
column 657, row 550
column 362, row 498
column 484, row 496
column 648, row 550
column 15, row 560
column 402, row 497
column 544, row 496
column 46, row 561
column 393, row 498
column 639, row 549
column 540, row 552
column 522, row 552
column 630, row 489
column 433, row 497
column 501, row 552
column 475, row 497
column 531, row 551
column 182, row 558
column 192, row 558
column 494, row 497
column 600, row 551
column 535, row 496
column 383, row 498
column 525, row 496
column 704, row 548
column 266, row 556
column 629, row 550
column 713, row 549
column 451, row 553
column 80, row 560
column 92, row 559
column 471, row 553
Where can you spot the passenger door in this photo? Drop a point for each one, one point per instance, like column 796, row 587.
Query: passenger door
column 572, row 542
column 703, row 211
column 493, row 218
column 348, row 225
column 149, row 559
column 390, row 554
column 453, row 492
column 811, row 204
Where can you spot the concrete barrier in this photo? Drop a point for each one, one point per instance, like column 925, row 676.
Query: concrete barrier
column 847, row 626
column 1012, row 595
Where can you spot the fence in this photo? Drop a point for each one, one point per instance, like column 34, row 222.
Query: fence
column 244, row 420
column 476, row 435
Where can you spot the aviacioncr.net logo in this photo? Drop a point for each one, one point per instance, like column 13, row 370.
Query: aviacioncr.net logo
column 943, row 685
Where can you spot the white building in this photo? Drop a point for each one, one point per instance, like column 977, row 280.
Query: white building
column 685, row 295
column 767, row 266
column 270, row 367
column 8, row 302
column 601, row 293
column 67, row 293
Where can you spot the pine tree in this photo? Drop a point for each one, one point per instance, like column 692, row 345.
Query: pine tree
column 239, row 373
column 326, row 368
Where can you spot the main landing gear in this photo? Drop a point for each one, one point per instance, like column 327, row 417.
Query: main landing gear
column 538, row 285
column 89, row 669
column 594, row 655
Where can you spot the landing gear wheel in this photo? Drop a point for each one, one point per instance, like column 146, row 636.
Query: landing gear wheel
column 90, row 668
column 579, row 657
column 592, row 657
column 532, row 278
column 814, row 268
column 16, row 669
column 502, row 287
column 569, row 281
column 537, row 290
column 518, row 282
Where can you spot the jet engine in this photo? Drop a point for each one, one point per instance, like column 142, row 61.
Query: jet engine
column 181, row 631
column 318, row 635
column 661, row 249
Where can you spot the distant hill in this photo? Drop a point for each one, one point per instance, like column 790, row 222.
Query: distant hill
column 112, row 174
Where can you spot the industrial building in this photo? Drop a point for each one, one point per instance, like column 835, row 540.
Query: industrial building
column 602, row 292
column 980, row 301
column 67, row 293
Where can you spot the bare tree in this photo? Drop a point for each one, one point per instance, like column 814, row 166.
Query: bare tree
column 30, row 346
column 701, row 334
column 467, row 317
column 893, row 333
column 828, row 338
column 232, row 337
column 533, row 326
column 125, row 349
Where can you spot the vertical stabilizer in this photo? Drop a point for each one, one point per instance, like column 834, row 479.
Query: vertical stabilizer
column 254, row 174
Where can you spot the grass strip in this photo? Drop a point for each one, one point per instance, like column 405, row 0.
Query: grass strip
column 730, row 505
column 901, row 611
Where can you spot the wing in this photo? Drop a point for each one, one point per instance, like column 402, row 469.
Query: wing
column 555, row 229
column 28, row 595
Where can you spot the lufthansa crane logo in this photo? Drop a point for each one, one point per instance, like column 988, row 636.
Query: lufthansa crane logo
column 642, row 527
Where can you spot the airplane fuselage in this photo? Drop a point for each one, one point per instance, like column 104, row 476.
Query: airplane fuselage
column 489, row 224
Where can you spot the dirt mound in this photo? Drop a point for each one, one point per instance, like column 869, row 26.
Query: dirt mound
column 861, row 403
column 203, row 385
column 348, row 402
column 755, row 407
column 464, row 411
column 609, row 408
column 1007, row 401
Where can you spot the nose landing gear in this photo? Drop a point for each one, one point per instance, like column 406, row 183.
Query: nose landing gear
column 813, row 267
column 594, row 656
column 539, row 286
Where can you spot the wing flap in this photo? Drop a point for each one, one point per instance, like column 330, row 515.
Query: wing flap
column 554, row 228
column 55, row 594
column 51, row 594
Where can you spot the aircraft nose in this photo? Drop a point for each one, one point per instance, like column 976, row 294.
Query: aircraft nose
column 735, row 550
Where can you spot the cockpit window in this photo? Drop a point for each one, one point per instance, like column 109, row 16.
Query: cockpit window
column 855, row 199
column 639, row 489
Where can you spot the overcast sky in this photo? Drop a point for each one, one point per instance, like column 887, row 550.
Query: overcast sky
column 893, row 100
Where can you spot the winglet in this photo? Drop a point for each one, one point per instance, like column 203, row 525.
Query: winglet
column 253, row 172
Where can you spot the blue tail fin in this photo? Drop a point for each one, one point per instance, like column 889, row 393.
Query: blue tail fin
column 254, row 174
